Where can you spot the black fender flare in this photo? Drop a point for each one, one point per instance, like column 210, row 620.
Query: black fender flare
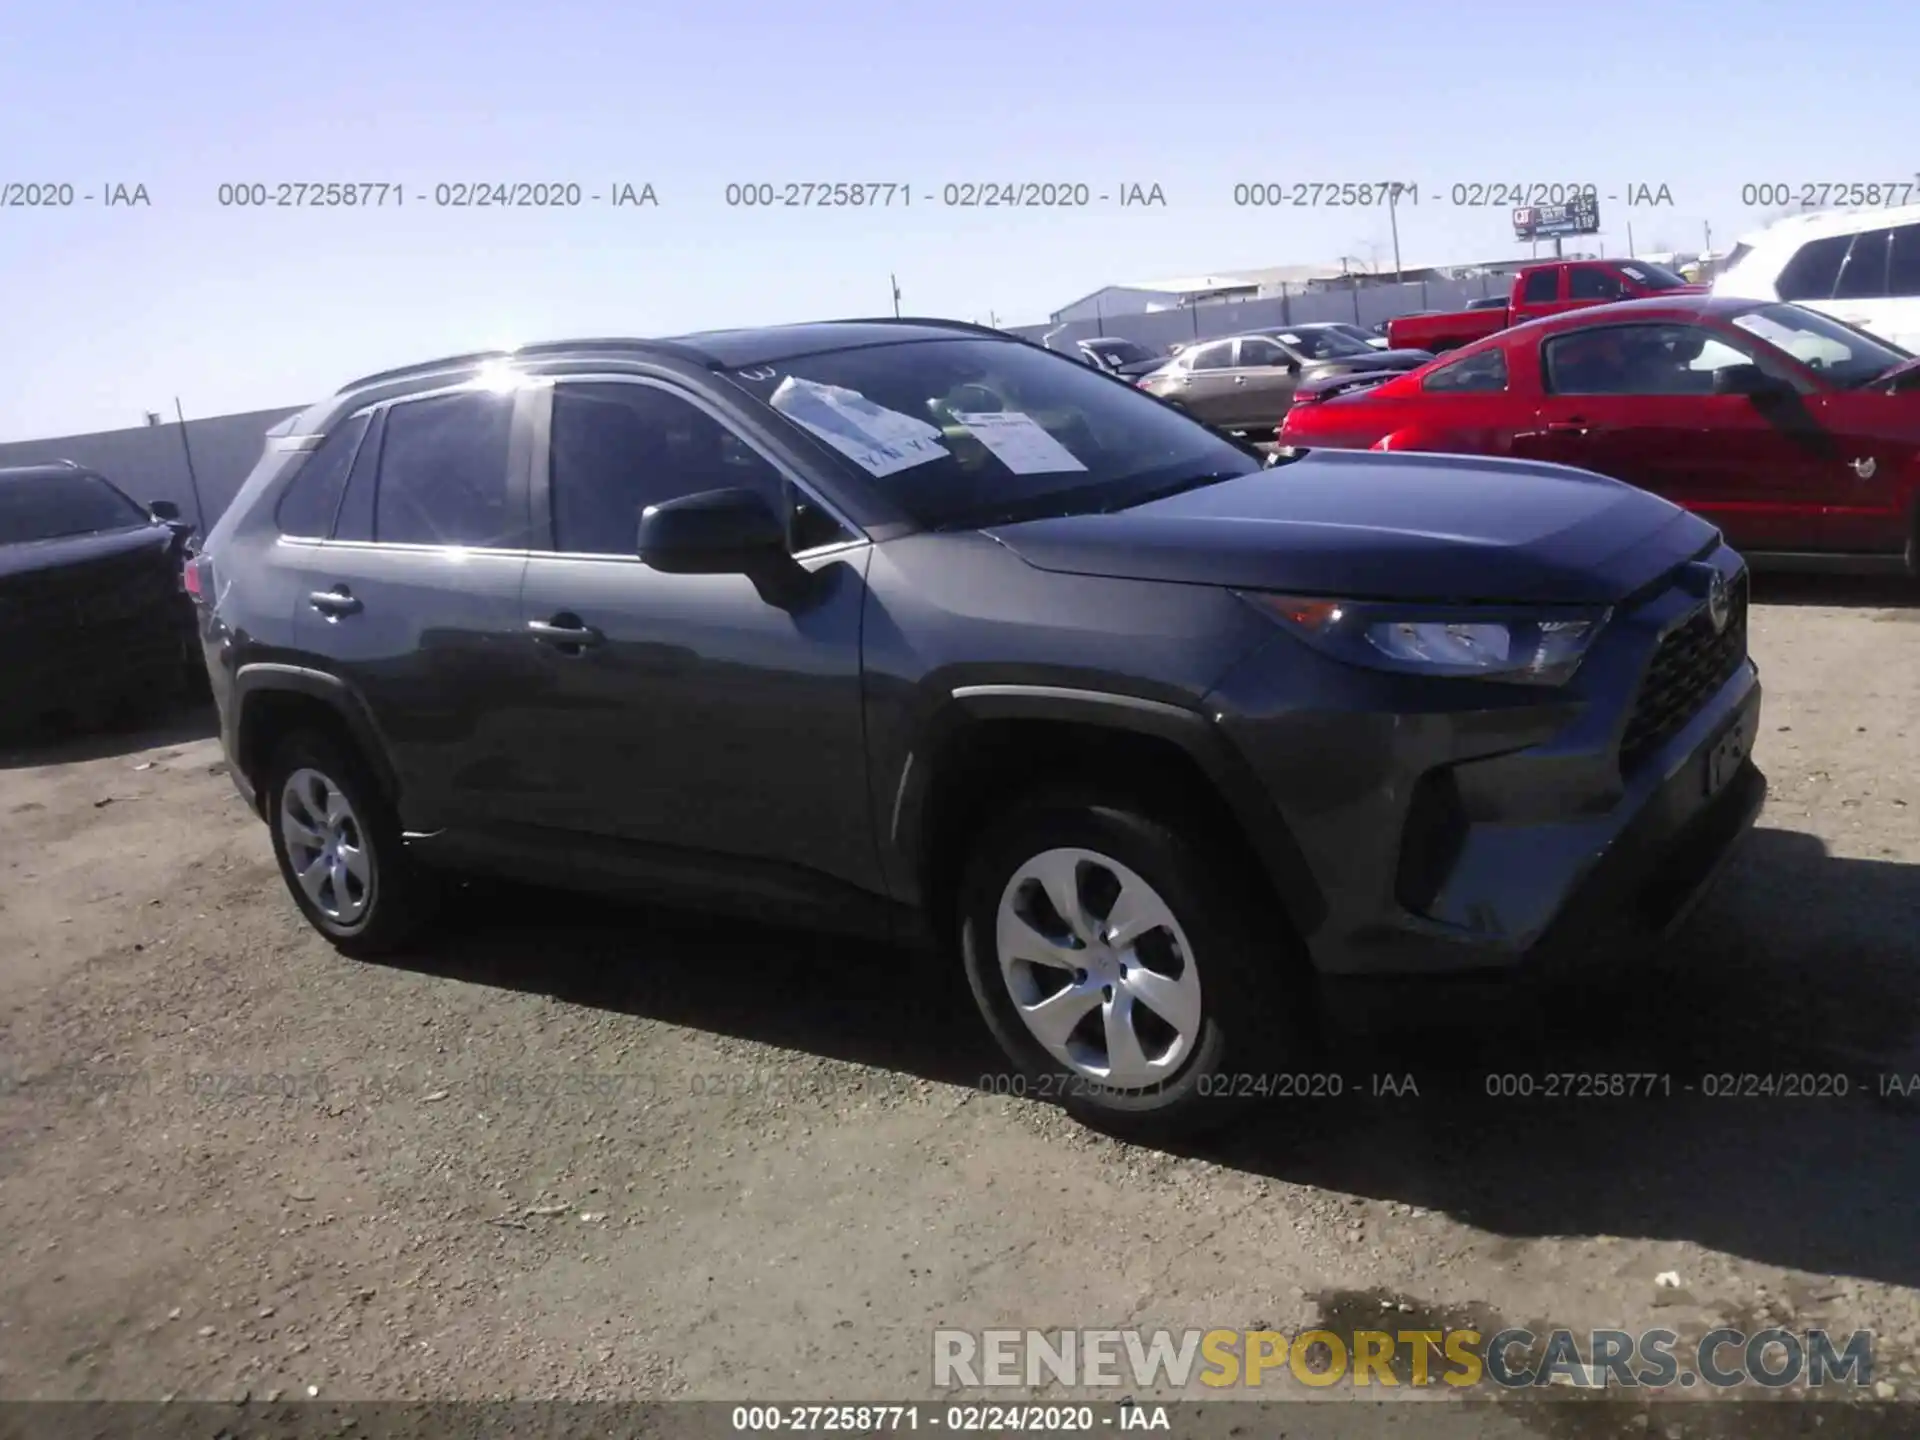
column 908, row 840
column 276, row 677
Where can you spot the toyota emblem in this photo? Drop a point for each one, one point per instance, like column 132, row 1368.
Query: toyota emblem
column 1719, row 602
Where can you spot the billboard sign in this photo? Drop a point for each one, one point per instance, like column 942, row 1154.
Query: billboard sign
column 1544, row 222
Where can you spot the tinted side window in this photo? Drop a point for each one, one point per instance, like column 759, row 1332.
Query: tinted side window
column 1586, row 282
column 1903, row 265
column 1218, row 356
column 1864, row 275
column 1482, row 372
column 1256, row 351
column 309, row 503
column 618, row 448
column 1636, row 360
column 1813, row 269
column 1543, row 286
column 443, row 473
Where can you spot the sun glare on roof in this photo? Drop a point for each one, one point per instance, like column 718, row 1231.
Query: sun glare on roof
column 499, row 376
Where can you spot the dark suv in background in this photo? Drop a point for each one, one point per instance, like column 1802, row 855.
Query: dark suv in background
column 93, row 614
column 914, row 627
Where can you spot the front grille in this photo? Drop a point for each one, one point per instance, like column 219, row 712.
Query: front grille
column 107, row 592
column 1690, row 665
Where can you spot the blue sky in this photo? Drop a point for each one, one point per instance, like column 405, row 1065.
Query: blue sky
column 111, row 312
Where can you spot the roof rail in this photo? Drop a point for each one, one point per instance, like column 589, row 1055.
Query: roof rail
column 424, row 367
column 936, row 322
column 542, row 347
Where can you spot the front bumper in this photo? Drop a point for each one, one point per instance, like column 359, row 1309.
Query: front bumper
column 1451, row 832
column 84, row 667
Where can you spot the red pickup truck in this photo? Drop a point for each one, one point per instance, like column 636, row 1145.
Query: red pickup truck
column 1539, row 290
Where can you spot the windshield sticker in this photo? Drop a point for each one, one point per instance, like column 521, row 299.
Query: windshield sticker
column 1290, row 339
column 878, row 440
column 1632, row 273
column 1018, row 442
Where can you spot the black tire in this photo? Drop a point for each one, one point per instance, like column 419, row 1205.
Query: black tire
column 401, row 897
column 1258, row 1008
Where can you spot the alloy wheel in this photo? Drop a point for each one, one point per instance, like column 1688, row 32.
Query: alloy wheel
column 326, row 847
column 1098, row 968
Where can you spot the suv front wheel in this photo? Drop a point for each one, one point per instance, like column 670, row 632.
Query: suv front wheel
column 339, row 848
column 1124, row 971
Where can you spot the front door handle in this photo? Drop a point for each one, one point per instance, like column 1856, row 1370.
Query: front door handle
column 565, row 632
column 335, row 602
column 1239, row 379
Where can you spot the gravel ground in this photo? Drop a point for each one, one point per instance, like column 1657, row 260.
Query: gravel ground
column 579, row 1151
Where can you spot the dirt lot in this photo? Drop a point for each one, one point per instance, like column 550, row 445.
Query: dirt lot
column 579, row 1151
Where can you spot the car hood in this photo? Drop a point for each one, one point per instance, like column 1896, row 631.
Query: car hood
column 1373, row 360
column 1382, row 526
column 63, row 551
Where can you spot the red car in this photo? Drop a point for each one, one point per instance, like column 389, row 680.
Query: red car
column 1797, row 435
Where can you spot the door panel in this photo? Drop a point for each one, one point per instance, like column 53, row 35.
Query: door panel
column 420, row 610
column 1867, row 489
column 1715, row 455
column 1210, row 392
column 1262, row 387
column 430, row 639
column 704, row 718
column 1635, row 401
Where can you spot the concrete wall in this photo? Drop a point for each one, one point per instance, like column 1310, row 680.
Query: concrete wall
column 1364, row 305
column 150, row 464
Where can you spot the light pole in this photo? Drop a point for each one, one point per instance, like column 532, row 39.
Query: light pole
column 1393, row 221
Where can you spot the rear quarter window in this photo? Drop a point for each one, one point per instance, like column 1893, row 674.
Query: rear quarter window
column 308, row 505
column 1815, row 266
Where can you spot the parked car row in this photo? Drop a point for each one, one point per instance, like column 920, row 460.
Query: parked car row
column 1240, row 382
column 1797, row 435
column 916, row 627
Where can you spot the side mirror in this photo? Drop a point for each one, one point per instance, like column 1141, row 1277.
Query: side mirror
column 164, row 510
column 717, row 532
column 1749, row 380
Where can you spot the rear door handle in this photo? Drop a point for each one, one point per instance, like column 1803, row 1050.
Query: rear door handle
column 335, row 602
column 565, row 632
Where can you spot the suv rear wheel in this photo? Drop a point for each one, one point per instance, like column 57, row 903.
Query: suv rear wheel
column 339, row 848
column 1125, row 974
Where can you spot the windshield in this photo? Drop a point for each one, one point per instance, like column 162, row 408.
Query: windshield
column 1326, row 344
column 1843, row 354
column 1654, row 277
column 64, row 502
column 1122, row 352
column 973, row 431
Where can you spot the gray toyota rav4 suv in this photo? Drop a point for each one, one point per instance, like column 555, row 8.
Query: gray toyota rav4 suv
column 914, row 627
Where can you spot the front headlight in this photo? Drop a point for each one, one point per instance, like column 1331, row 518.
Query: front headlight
column 1523, row 647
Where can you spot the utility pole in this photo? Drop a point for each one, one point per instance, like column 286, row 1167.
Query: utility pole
column 1631, row 252
column 894, row 281
column 1393, row 221
column 193, row 479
